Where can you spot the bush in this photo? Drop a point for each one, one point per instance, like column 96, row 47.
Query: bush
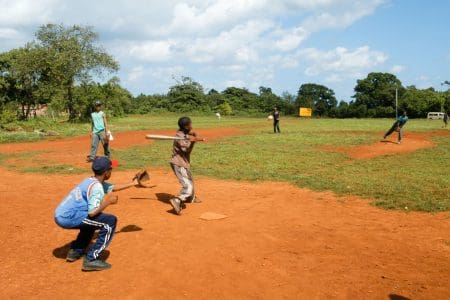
column 8, row 114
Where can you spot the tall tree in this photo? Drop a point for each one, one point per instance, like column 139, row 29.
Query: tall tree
column 74, row 56
column 377, row 90
column 187, row 95
column 419, row 102
column 24, row 76
column 268, row 99
column 318, row 97
column 241, row 99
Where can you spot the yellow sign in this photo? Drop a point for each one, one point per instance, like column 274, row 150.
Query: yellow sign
column 305, row 112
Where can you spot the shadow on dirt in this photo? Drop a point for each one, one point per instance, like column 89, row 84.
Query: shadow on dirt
column 164, row 197
column 388, row 142
column 129, row 228
column 397, row 297
column 61, row 252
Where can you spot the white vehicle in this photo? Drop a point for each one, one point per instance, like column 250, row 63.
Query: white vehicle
column 435, row 115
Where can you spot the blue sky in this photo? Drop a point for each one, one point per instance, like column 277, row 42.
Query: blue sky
column 252, row 43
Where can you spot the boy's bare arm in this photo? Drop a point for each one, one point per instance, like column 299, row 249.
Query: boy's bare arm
column 106, row 122
column 120, row 187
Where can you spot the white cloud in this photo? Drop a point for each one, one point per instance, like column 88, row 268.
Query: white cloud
column 236, row 45
column 243, row 41
column 341, row 63
column 290, row 40
column 236, row 83
column 341, row 14
column 152, row 51
column 396, row 69
column 25, row 12
column 136, row 73
column 10, row 34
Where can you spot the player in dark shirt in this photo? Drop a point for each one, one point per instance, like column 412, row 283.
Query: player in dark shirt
column 276, row 120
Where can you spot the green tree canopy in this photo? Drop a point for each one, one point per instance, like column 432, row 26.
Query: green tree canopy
column 318, row 97
column 187, row 95
column 74, row 57
column 418, row 102
column 377, row 90
column 24, row 79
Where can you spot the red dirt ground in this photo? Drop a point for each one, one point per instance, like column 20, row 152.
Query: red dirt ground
column 413, row 141
column 278, row 242
column 73, row 151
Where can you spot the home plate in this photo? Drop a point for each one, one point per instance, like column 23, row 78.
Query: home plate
column 209, row 216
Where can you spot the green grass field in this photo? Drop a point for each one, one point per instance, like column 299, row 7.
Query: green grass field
column 419, row 180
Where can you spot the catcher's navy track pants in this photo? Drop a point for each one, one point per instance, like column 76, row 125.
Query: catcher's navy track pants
column 187, row 182
column 106, row 223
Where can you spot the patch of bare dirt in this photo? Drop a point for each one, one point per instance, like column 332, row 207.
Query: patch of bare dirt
column 73, row 151
column 412, row 141
column 278, row 242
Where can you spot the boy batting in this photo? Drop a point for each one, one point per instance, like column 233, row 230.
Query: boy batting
column 99, row 132
column 83, row 208
column 181, row 163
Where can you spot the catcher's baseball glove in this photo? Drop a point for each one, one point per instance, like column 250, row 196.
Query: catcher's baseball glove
column 141, row 177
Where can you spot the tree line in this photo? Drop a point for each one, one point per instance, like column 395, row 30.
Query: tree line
column 61, row 68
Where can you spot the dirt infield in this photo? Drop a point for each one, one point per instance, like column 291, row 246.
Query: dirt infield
column 277, row 241
column 413, row 141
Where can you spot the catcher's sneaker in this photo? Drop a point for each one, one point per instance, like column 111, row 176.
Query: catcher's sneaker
column 399, row 142
column 73, row 255
column 176, row 204
column 95, row 265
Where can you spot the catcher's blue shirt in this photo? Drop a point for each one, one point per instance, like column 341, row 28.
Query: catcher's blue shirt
column 84, row 198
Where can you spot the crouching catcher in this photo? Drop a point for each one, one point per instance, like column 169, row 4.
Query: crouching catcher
column 83, row 208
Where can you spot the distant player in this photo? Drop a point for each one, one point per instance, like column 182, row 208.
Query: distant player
column 398, row 126
column 181, row 164
column 445, row 119
column 276, row 120
column 99, row 132
column 83, row 209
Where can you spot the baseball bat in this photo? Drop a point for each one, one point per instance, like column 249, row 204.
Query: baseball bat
column 170, row 137
column 162, row 137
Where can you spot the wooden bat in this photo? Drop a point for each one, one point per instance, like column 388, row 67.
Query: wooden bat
column 171, row 137
column 162, row 137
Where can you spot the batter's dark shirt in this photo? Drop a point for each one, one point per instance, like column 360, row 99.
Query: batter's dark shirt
column 181, row 153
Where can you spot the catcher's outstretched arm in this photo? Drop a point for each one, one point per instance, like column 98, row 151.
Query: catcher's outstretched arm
column 124, row 186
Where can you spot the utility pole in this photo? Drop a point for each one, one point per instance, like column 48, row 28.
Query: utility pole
column 396, row 103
